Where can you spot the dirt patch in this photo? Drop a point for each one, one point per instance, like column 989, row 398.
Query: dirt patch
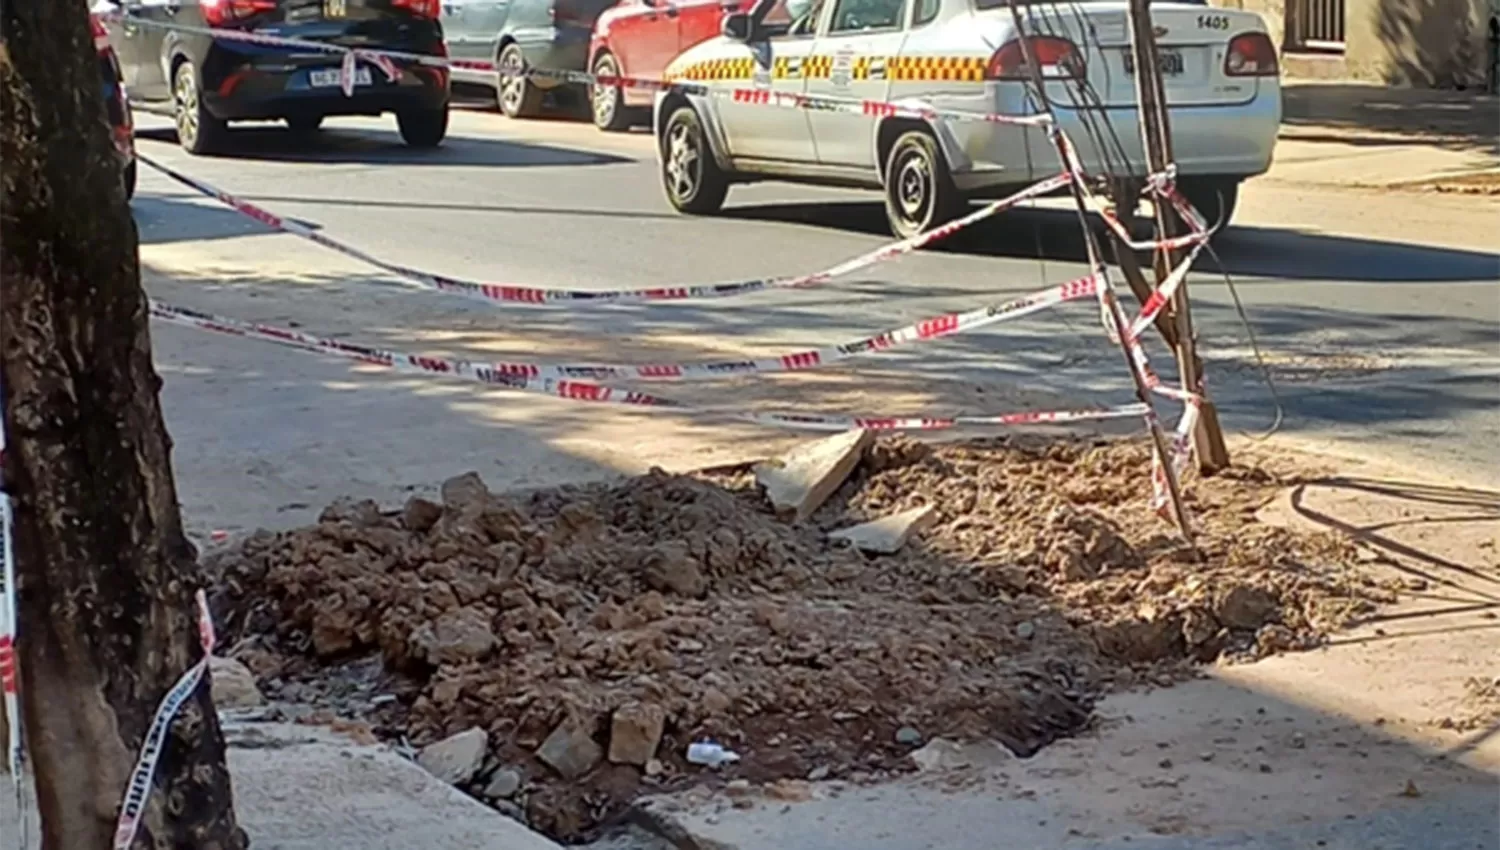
column 1046, row 582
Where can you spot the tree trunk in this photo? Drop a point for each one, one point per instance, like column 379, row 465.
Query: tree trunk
column 106, row 577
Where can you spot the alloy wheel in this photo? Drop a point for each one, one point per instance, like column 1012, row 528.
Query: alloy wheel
column 605, row 99
column 914, row 187
column 185, row 93
column 684, row 160
column 513, row 82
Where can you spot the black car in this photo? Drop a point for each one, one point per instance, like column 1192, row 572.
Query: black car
column 211, row 81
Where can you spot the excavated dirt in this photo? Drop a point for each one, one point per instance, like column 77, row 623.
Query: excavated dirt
column 1046, row 581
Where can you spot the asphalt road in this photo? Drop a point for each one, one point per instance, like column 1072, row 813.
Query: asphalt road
column 1380, row 343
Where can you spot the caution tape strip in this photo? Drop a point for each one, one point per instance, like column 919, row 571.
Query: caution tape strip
column 820, row 102
column 585, row 391
column 142, row 778
column 937, row 327
column 1181, row 450
column 512, row 294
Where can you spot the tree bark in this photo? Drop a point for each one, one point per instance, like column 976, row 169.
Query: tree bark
column 106, row 577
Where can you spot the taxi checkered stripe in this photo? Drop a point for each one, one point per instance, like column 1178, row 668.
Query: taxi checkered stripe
column 720, row 69
column 931, row 68
column 817, row 67
column 958, row 68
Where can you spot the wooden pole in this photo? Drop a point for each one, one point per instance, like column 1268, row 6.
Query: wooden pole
column 1208, row 438
column 1096, row 264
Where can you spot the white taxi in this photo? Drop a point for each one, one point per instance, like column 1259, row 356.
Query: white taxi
column 1219, row 68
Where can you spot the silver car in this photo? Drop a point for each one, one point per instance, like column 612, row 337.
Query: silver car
column 1219, row 67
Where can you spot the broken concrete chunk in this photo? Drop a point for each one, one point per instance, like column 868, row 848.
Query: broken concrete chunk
column 455, row 758
column 886, row 536
column 1243, row 606
column 503, row 784
column 465, row 491
column 233, row 684
column 635, row 731
column 570, row 750
column 459, row 635
column 419, row 514
column 799, row 481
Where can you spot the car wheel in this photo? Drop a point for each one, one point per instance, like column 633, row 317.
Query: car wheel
column 607, row 103
column 518, row 97
column 423, row 128
column 198, row 131
column 919, row 191
column 128, row 178
column 304, row 125
column 1215, row 200
column 693, row 180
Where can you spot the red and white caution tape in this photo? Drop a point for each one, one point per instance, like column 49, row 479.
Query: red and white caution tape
column 818, row 102
column 510, row 293
column 1163, row 293
column 1181, row 450
column 597, row 393
column 9, row 632
column 937, row 327
column 142, row 778
column 8, row 673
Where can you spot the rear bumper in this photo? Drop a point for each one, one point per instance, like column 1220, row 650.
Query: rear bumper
column 250, row 82
column 1233, row 141
column 554, row 48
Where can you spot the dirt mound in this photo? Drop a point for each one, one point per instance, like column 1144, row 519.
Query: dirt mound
column 684, row 604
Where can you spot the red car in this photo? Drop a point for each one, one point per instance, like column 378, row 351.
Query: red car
column 637, row 38
column 116, row 105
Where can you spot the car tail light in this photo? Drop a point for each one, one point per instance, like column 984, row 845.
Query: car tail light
column 1060, row 59
column 220, row 12
column 1251, row 55
column 419, row 8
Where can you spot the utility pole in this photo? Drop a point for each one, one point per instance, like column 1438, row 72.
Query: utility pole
column 1213, row 455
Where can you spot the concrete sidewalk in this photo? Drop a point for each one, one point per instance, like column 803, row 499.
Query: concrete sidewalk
column 1359, row 135
column 307, row 788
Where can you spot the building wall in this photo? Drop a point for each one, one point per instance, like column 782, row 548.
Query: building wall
column 1423, row 43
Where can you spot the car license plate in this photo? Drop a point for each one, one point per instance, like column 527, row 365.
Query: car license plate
column 1169, row 61
column 330, row 77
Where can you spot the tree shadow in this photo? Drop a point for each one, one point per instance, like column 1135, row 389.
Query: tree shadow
column 1438, row 44
column 1053, row 234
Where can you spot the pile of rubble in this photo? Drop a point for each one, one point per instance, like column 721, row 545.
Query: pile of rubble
column 823, row 615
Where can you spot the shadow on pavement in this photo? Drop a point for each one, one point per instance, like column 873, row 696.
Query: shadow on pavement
column 1457, row 120
column 1053, row 234
column 333, row 144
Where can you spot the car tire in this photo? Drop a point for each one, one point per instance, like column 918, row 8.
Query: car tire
column 304, row 125
column 607, row 103
column 517, row 97
column 128, row 178
column 919, row 190
column 198, row 131
column 423, row 128
column 691, row 176
column 1215, row 200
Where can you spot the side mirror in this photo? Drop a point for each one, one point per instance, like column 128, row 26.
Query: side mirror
column 738, row 26
column 649, row 4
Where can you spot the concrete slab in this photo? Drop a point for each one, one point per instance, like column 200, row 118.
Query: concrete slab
column 886, row 536
column 306, row 788
column 801, row 479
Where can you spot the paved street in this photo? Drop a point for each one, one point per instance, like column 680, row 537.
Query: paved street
column 1379, row 345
